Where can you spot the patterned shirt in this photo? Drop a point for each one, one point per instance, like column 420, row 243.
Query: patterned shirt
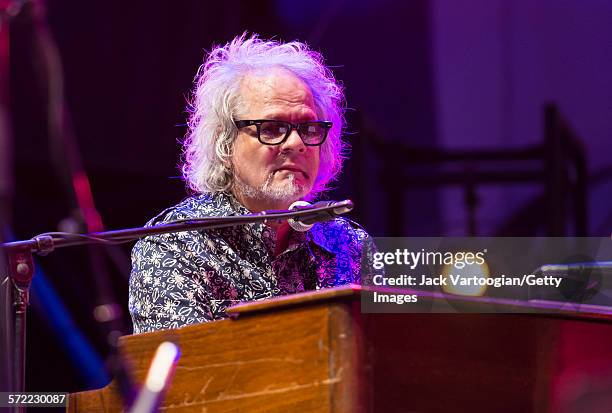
column 193, row 276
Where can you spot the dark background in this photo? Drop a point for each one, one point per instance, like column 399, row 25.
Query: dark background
column 443, row 75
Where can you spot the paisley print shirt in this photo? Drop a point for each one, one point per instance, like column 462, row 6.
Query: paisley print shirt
column 192, row 277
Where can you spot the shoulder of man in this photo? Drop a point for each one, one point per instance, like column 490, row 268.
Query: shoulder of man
column 196, row 206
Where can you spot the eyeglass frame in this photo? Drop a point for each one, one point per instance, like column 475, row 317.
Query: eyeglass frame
column 292, row 126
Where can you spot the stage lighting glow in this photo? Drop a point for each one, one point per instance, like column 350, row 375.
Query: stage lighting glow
column 161, row 367
column 158, row 378
column 468, row 271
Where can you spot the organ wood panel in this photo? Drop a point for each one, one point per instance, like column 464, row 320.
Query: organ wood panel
column 316, row 352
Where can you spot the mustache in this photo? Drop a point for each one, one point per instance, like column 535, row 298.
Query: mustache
column 284, row 162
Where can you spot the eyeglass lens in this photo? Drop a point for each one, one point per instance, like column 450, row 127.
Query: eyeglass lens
column 276, row 131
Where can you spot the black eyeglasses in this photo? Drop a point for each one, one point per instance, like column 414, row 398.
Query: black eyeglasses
column 275, row 132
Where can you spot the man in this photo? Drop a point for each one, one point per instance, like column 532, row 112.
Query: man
column 264, row 132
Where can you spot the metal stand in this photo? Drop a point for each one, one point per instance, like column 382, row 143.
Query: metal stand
column 21, row 272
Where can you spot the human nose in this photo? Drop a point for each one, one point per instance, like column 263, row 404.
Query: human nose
column 293, row 142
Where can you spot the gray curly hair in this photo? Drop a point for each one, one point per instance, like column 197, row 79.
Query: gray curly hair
column 208, row 146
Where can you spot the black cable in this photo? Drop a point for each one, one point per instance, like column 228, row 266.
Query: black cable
column 10, row 10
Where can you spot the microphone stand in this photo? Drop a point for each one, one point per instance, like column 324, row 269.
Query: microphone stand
column 21, row 262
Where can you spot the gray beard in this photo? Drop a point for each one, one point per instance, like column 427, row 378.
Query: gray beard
column 284, row 193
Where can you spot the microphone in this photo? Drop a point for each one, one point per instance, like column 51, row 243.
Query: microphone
column 581, row 281
column 302, row 224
